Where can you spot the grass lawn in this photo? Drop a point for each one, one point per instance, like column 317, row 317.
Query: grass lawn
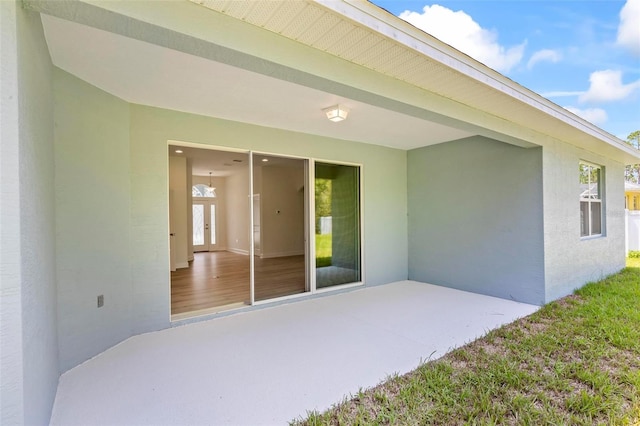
column 574, row 362
column 633, row 262
column 323, row 250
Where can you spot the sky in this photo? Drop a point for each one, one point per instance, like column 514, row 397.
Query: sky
column 583, row 55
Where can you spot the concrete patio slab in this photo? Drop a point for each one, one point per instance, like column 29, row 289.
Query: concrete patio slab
column 270, row 366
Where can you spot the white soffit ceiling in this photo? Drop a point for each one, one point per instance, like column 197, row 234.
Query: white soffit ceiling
column 147, row 74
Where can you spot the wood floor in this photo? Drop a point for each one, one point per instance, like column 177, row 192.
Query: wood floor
column 222, row 278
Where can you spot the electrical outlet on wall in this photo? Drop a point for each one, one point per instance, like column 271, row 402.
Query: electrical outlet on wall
column 101, row 301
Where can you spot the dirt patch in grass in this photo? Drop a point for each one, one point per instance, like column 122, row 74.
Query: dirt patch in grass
column 575, row 361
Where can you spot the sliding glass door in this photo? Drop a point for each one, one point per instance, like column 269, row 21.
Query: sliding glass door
column 279, row 228
column 337, row 224
column 249, row 226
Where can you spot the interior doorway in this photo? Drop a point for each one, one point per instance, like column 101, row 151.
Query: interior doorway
column 204, row 235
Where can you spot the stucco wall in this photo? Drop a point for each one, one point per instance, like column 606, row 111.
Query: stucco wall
column 570, row 261
column 11, row 363
column 92, row 189
column 28, row 341
column 475, row 218
column 37, row 227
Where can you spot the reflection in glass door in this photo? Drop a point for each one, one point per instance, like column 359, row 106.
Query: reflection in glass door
column 337, row 224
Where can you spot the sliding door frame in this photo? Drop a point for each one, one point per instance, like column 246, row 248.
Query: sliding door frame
column 312, row 168
column 309, row 220
column 307, row 233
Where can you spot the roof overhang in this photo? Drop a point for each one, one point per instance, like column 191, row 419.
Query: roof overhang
column 344, row 50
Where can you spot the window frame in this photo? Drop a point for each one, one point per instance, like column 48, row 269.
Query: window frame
column 592, row 200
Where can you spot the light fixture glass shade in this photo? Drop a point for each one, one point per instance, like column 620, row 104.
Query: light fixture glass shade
column 336, row 113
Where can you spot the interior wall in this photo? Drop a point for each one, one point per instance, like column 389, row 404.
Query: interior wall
column 282, row 211
column 179, row 209
column 93, row 225
column 475, row 218
column 570, row 261
column 237, row 211
column 384, row 196
column 28, row 336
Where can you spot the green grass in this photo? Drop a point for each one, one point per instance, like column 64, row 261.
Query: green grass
column 574, row 362
column 323, row 250
column 633, row 262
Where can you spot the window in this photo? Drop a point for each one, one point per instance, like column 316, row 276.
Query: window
column 201, row 190
column 590, row 200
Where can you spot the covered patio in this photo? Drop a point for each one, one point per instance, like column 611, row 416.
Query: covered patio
column 272, row 365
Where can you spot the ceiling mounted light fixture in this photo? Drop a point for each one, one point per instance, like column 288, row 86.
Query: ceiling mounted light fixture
column 336, row 113
column 210, row 185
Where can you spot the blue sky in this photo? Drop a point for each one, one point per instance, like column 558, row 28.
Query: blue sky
column 582, row 55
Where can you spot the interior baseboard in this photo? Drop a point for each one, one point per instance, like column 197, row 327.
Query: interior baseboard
column 238, row 251
column 282, row 254
column 182, row 265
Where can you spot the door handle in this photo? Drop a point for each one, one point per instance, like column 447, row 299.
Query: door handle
column 206, row 226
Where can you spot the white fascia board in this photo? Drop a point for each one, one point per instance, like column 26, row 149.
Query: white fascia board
column 377, row 19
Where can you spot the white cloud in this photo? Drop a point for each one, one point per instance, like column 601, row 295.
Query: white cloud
column 460, row 31
column 607, row 86
column 592, row 115
column 629, row 27
column 549, row 55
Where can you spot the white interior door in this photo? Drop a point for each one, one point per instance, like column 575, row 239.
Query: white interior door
column 205, row 227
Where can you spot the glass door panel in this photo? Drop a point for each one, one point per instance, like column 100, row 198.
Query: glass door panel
column 198, row 227
column 204, row 226
column 279, row 229
column 337, row 224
